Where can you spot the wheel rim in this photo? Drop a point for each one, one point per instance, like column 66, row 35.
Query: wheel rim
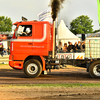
column 32, row 68
column 96, row 70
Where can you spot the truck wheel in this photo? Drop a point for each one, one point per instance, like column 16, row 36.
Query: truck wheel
column 94, row 69
column 32, row 68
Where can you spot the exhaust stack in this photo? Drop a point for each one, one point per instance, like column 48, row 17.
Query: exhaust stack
column 56, row 5
column 53, row 52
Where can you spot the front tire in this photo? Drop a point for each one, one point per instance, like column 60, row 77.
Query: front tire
column 32, row 68
column 94, row 69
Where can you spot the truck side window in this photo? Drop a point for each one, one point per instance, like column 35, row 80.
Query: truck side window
column 24, row 30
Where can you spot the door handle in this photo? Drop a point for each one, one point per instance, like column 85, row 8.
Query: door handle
column 30, row 43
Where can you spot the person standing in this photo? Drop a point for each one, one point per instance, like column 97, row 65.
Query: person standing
column 79, row 46
column 75, row 47
column 65, row 47
column 83, row 46
column 70, row 47
column 1, row 49
column 8, row 50
column 60, row 47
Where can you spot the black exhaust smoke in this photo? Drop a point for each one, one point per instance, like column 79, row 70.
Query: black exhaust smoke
column 56, row 5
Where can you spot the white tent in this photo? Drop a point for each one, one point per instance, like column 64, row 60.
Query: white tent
column 64, row 34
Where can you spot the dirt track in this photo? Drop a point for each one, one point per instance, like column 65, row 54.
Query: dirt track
column 68, row 75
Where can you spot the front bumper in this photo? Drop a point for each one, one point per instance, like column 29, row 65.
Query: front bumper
column 15, row 64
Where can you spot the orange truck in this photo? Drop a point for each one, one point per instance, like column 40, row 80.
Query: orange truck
column 32, row 47
column 29, row 52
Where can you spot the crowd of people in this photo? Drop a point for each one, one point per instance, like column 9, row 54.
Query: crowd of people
column 4, row 51
column 76, row 47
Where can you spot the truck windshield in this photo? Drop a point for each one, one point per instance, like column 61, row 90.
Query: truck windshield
column 24, row 30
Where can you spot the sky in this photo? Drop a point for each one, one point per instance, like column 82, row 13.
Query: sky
column 72, row 9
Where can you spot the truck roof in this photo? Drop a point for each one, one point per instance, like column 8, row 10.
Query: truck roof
column 31, row 22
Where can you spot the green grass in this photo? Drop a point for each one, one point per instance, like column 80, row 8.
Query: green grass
column 4, row 64
column 53, row 85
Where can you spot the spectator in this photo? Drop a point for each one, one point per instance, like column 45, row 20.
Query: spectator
column 4, row 51
column 8, row 50
column 79, row 46
column 68, row 43
column 65, row 47
column 60, row 47
column 1, row 49
column 83, row 46
column 70, row 47
column 56, row 49
column 75, row 47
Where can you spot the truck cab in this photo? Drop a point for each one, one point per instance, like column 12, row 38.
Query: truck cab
column 30, row 44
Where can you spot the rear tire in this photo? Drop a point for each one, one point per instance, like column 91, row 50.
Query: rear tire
column 94, row 69
column 32, row 68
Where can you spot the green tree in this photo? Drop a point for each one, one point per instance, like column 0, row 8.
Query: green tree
column 81, row 25
column 5, row 24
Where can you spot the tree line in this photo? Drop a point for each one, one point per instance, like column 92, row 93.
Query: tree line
column 5, row 24
column 80, row 25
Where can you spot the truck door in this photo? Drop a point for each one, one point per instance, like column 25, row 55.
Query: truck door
column 23, row 44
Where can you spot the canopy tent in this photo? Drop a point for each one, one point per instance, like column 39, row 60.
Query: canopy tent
column 64, row 34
